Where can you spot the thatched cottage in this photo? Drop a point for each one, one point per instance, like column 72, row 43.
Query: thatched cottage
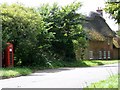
column 102, row 41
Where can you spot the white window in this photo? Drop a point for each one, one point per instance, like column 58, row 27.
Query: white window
column 108, row 54
column 104, row 54
column 91, row 54
column 100, row 54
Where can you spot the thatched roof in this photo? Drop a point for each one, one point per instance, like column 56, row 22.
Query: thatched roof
column 116, row 42
column 95, row 36
column 97, row 24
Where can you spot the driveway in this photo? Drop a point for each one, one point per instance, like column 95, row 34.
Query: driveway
column 61, row 78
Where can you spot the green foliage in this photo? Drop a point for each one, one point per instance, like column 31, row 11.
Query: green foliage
column 111, row 82
column 114, row 10
column 84, row 63
column 81, row 44
column 21, row 26
column 118, row 32
column 19, row 23
column 12, row 72
column 42, row 35
column 64, row 24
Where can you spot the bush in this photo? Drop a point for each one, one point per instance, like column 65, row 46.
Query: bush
column 12, row 72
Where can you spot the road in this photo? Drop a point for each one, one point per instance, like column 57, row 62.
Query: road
column 61, row 78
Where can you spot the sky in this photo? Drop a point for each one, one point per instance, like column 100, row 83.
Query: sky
column 87, row 6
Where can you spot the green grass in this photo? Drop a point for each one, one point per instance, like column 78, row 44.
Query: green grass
column 111, row 82
column 13, row 72
column 83, row 63
column 99, row 62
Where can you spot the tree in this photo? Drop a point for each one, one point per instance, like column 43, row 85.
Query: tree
column 114, row 10
column 41, row 35
column 21, row 26
column 118, row 32
column 65, row 25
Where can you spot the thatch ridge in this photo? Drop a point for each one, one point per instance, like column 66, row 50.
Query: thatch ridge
column 96, row 23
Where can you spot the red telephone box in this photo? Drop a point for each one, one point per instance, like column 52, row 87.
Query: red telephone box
column 8, row 56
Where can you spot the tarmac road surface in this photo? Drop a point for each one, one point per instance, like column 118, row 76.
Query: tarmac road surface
column 61, row 78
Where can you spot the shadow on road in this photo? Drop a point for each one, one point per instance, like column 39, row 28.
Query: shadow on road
column 54, row 70
column 44, row 72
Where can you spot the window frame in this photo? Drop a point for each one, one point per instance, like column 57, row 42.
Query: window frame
column 104, row 55
column 90, row 54
column 109, row 55
column 100, row 54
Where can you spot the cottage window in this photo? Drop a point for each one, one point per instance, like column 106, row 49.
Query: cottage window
column 108, row 41
column 91, row 54
column 108, row 54
column 100, row 54
column 104, row 54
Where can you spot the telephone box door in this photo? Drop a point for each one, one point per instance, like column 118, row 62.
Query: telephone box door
column 9, row 58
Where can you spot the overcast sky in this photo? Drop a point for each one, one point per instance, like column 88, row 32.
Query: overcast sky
column 88, row 5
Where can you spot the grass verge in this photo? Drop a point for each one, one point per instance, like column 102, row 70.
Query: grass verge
column 111, row 82
column 14, row 72
column 83, row 63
